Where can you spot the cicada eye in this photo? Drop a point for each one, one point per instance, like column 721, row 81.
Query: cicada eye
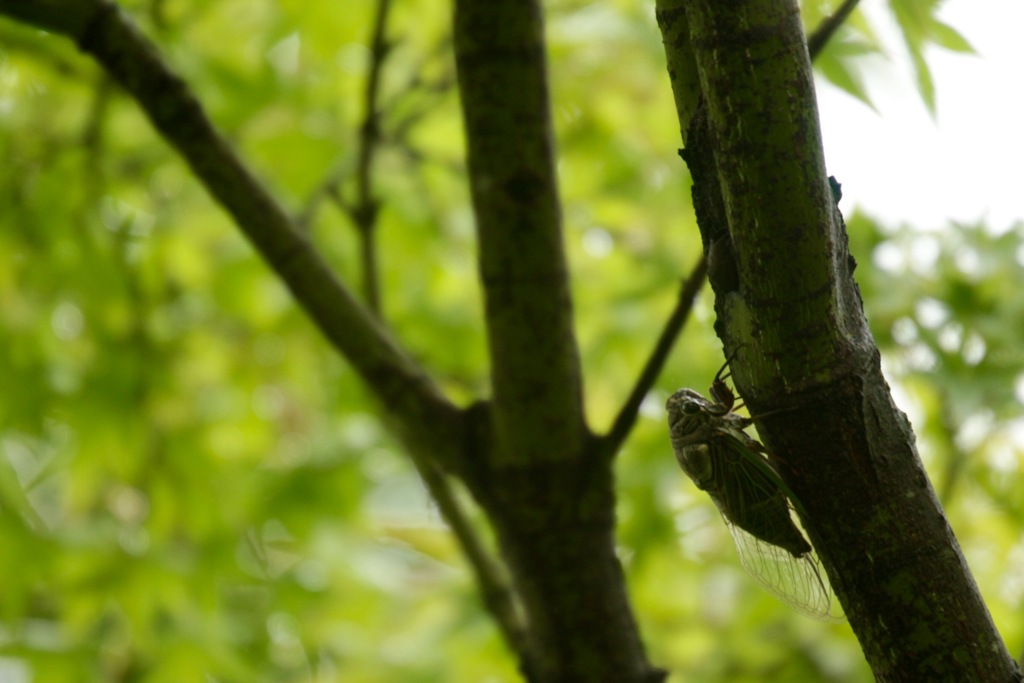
column 691, row 408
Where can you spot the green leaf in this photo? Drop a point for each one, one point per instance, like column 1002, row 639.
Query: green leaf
column 951, row 39
column 836, row 69
column 925, row 84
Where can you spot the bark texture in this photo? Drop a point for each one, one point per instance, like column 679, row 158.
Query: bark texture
column 535, row 371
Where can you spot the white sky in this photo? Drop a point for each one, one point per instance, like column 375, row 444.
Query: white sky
column 967, row 164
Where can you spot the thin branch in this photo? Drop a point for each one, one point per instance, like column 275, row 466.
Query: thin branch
column 424, row 418
column 366, row 207
column 415, row 80
column 326, row 189
column 498, row 598
column 626, row 418
column 372, row 137
column 434, row 91
column 455, row 167
column 829, row 25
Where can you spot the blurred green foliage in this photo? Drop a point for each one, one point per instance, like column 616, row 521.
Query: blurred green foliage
column 193, row 487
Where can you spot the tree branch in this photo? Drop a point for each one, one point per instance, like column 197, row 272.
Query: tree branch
column 686, row 87
column 798, row 188
column 626, row 417
column 785, row 292
column 711, row 213
column 824, row 31
column 425, row 419
column 365, row 209
column 58, row 16
column 535, row 370
column 499, row 599
column 671, row 17
column 326, row 189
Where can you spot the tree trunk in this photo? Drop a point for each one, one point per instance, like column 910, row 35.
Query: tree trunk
column 555, row 523
column 544, row 481
column 789, row 308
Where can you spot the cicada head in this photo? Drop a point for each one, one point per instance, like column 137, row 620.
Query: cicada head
column 690, row 417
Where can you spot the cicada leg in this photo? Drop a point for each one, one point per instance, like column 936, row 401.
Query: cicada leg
column 720, row 391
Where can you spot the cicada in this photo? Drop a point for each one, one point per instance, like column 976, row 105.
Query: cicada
column 714, row 450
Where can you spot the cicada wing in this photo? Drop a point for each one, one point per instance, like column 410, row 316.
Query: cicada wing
column 771, row 545
column 749, row 494
column 798, row 581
